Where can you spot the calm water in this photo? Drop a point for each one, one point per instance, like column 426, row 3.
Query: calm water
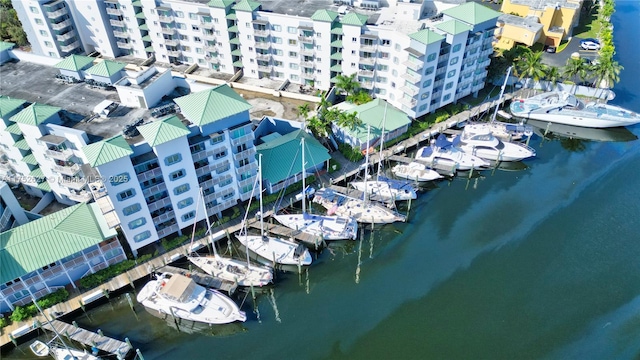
column 540, row 263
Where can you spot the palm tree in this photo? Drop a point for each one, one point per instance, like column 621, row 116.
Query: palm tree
column 607, row 73
column 303, row 110
column 361, row 97
column 553, row 76
column 574, row 69
column 348, row 84
column 349, row 120
column 530, row 66
column 317, row 127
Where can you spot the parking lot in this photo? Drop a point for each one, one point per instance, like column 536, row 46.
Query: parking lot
column 559, row 59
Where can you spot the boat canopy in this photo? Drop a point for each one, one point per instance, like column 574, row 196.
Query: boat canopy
column 178, row 288
column 442, row 141
column 426, row 152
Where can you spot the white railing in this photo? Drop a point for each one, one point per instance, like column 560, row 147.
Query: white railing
column 67, row 170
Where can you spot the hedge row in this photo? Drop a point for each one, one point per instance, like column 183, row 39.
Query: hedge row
column 25, row 312
column 104, row 275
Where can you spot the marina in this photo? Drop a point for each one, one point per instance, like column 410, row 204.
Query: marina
column 109, row 345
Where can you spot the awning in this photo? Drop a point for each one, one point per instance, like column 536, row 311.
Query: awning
column 260, row 22
column 369, row 36
column 52, row 139
column 414, row 52
column 303, row 27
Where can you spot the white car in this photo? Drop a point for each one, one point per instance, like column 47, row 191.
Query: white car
column 590, row 45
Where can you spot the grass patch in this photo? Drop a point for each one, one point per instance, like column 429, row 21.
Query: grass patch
column 588, row 27
column 563, row 45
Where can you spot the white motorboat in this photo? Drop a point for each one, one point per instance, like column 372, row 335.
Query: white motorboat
column 326, row 227
column 505, row 131
column 271, row 249
column 416, row 172
column 386, row 189
column 564, row 108
column 617, row 134
column 59, row 352
column 363, row 211
column 479, row 141
column 442, row 153
column 175, row 295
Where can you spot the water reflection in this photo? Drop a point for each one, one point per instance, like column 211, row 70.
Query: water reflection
column 551, row 131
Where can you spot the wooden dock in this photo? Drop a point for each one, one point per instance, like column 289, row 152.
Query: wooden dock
column 203, row 279
column 310, row 241
column 89, row 338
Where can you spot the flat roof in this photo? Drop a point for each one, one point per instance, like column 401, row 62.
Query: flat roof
column 306, row 8
column 542, row 4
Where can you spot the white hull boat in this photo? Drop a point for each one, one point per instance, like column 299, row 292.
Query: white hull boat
column 276, row 250
column 59, row 352
column 479, row 141
column 175, row 295
column 566, row 108
column 617, row 134
column 506, row 131
column 234, row 270
column 416, row 172
column 444, row 154
column 363, row 211
column 385, row 189
column 325, row 226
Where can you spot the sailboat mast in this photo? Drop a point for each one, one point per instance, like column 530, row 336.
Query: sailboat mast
column 384, row 120
column 46, row 318
column 206, row 216
column 304, row 190
column 504, row 85
column 366, row 166
column 260, row 192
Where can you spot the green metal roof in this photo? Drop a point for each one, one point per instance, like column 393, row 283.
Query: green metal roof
column 22, row 144
column 149, row 49
column 220, row 3
column 337, row 43
column 35, row 114
column 14, row 129
column 44, row 186
column 324, row 15
column 236, row 52
column 162, row 131
column 336, row 56
column 238, row 63
column 30, row 159
column 140, row 15
column 106, row 68
column 337, row 30
column 37, row 173
column 8, row 106
column 232, row 16
column 6, row 45
column 336, row 67
column 234, row 41
column 233, row 28
column 282, row 158
column 137, row 3
column 75, row 62
column 354, row 19
column 454, row 27
column 208, row 106
column 146, row 38
column 472, row 13
column 373, row 114
column 41, row 242
column 426, row 36
column 143, row 27
column 246, row 5
column 107, row 151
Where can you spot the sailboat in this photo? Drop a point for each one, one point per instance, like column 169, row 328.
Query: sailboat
column 363, row 210
column 240, row 272
column 328, row 227
column 272, row 250
column 383, row 188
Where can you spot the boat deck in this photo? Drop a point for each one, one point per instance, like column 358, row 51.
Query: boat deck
column 203, row 279
column 310, row 241
column 89, row 338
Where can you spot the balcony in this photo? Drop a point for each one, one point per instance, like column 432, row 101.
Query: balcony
column 249, row 153
column 264, row 68
column 368, row 47
column 171, row 42
column 67, row 170
column 207, row 25
column 114, row 11
column 413, row 78
column 63, row 155
column 263, row 45
column 307, row 51
column 159, row 204
column 124, row 45
column 168, row 30
column 408, row 101
column 117, row 23
column 82, row 196
column 168, row 230
column 154, row 189
column 308, row 64
column 212, row 60
column 410, row 89
column 75, row 183
column 265, row 57
column 261, row 32
column 56, row 14
column 174, row 53
column 149, row 174
column 249, row 167
column 61, row 25
column 367, row 60
column 415, row 66
column 121, row 34
column 66, row 36
column 206, row 169
column 367, row 84
column 197, row 156
column 165, row 19
column 245, row 182
column 364, row 72
column 209, row 36
column 306, row 39
column 211, row 47
column 166, row 216
column 242, row 139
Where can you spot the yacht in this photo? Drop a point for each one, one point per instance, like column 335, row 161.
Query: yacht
column 442, row 153
column 385, row 189
column 479, row 141
column 241, row 272
column 617, row 134
column 175, row 295
column 363, row 211
column 564, row 108
column 415, row 171
column 505, row 131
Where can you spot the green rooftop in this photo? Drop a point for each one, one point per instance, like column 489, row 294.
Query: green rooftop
column 354, row 19
column 282, row 158
column 144, row 27
column 37, row 173
column 14, row 129
column 373, row 114
column 44, row 241
column 162, row 131
column 208, row 106
column 426, row 36
column 75, row 63
column 30, row 159
column 106, row 68
column 22, row 144
column 9, row 106
column 337, row 30
column 246, row 5
column 6, row 45
column 472, row 13
column 454, row 27
column 220, row 3
column 107, row 151
column 324, row 15
column 35, row 114
column 44, row 186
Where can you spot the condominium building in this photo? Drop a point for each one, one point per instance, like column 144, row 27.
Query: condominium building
column 11, row 213
column 418, row 55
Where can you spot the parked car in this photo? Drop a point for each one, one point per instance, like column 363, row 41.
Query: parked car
column 589, row 45
column 592, row 40
column 550, row 49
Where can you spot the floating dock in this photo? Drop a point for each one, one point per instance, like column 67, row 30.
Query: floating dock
column 109, row 345
column 203, row 279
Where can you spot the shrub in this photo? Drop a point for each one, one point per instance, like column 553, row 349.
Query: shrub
column 333, row 163
column 351, row 153
column 4, row 322
column 25, row 312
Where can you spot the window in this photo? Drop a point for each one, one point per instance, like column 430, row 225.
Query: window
column 294, row 77
column 172, row 159
column 457, row 47
column 39, row 21
column 425, row 95
column 177, row 175
column 33, row 9
column 220, row 154
column 446, row 97
column 453, row 61
column 277, row 28
column 394, row 72
column 293, row 66
column 276, row 40
column 189, row 215
column 248, row 37
column 381, row 79
column 396, row 60
column 451, row 73
column 354, row 39
column 384, row 55
column 431, row 57
column 293, row 54
column 385, row 42
column 179, row 14
column 293, row 42
column 43, row 33
column 292, row 30
column 215, row 139
column 318, row 35
column 48, row 44
column 279, row 52
column 127, row 194
column 119, row 179
column 131, row 209
column 448, row 86
column 193, row 16
column 195, row 28
column 181, row 26
column 198, row 50
column 137, row 223
column 426, row 83
column 181, row 189
column 184, row 203
column 429, row 70
column 142, row 236
column 383, row 67
column 226, row 182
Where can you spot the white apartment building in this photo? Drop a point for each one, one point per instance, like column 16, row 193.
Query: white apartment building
column 153, row 184
column 417, row 55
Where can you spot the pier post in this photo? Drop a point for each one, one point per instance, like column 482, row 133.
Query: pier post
column 13, row 340
column 75, row 324
column 139, row 354
column 99, row 331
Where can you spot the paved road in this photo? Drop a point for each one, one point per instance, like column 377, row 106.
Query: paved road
column 559, row 59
